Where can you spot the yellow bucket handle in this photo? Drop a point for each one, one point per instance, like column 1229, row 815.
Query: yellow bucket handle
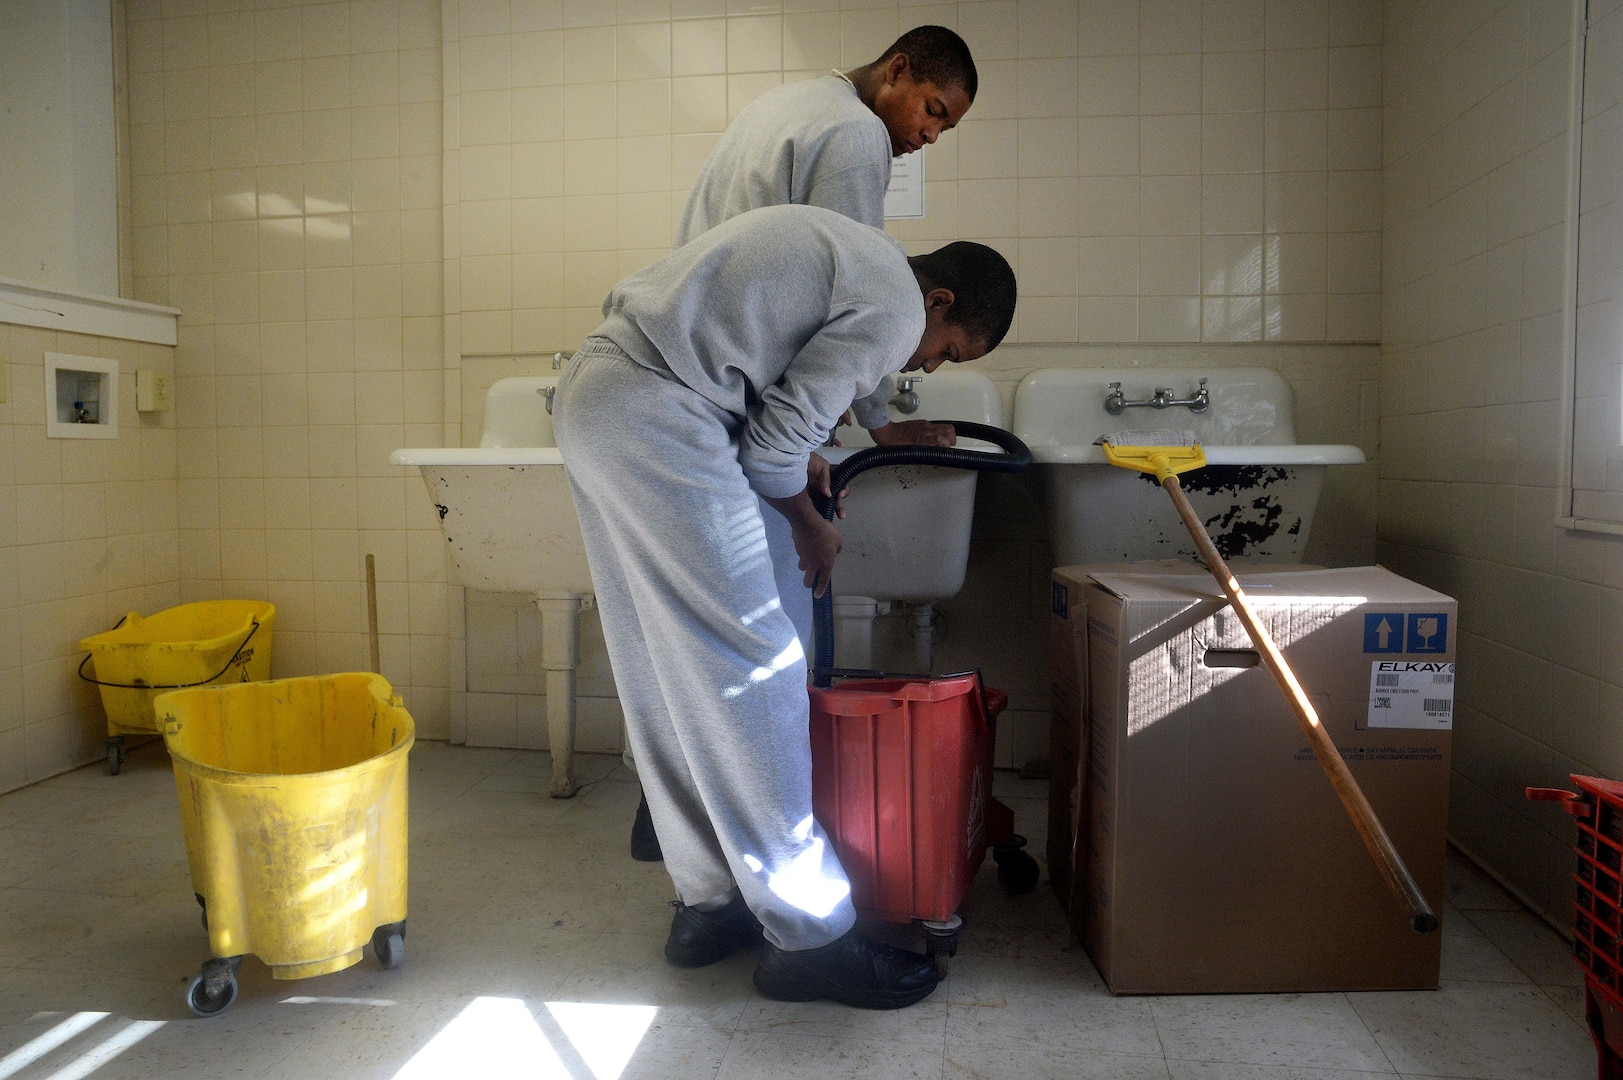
column 252, row 630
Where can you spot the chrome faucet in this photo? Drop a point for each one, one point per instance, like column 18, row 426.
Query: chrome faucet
column 906, row 400
column 558, row 359
column 1164, row 397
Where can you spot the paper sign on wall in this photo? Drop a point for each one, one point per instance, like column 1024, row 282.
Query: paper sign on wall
column 904, row 198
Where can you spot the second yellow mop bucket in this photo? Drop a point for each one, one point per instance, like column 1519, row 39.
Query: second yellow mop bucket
column 211, row 641
column 293, row 801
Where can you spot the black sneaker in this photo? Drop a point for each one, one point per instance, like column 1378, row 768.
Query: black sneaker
column 853, row 971
column 699, row 937
column 644, row 841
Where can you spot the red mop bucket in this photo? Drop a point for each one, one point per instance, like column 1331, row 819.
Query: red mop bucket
column 902, row 783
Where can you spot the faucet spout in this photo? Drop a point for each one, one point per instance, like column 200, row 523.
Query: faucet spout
column 1164, row 397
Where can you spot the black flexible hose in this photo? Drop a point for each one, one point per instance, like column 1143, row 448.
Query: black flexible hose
column 1015, row 457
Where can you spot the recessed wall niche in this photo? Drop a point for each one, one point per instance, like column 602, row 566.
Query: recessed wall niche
column 81, row 397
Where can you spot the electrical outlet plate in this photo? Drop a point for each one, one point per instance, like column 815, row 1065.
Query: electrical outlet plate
column 153, row 390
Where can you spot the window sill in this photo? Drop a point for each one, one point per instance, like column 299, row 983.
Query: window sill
column 101, row 316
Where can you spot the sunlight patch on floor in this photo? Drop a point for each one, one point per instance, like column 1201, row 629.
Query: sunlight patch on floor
column 87, row 1062
column 495, row 1038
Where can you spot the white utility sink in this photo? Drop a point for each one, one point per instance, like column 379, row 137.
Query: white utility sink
column 906, row 527
column 505, row 504
column 510, row 522
column 1256, row 497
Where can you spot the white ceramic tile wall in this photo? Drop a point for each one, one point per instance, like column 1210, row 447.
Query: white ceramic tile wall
column 286, row 196
column 1156, row 171
column 87, row 533
column 1474, row 266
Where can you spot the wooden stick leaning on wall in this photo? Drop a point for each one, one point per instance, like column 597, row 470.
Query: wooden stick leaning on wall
column 372, row 612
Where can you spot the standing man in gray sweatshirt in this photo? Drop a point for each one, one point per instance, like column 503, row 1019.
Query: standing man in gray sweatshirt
column 829, row 142
column 717, row 372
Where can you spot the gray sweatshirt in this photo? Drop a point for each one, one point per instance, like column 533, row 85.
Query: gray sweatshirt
column 780, row 316
column 811, row 143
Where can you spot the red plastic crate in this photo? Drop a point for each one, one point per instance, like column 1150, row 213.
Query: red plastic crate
column 1597, row 918
column 1606, row 1027
column 902, row 783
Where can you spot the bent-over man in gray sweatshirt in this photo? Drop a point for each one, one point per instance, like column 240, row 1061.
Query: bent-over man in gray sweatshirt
column 829, row 142
column 716, row 373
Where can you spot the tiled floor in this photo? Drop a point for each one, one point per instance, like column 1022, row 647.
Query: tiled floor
column 534, row 950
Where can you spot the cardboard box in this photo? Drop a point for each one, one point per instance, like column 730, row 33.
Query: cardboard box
column 1214, row 855
column 1068, row 672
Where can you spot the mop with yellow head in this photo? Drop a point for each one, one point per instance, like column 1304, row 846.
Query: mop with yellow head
column 1165, row 454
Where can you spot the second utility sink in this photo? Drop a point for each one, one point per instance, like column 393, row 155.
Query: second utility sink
column 509, row 521
column 906, row 527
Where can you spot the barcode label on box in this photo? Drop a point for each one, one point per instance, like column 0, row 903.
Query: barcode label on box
column 1411, row 694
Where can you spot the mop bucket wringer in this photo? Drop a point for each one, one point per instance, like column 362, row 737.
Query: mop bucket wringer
column 293, row 802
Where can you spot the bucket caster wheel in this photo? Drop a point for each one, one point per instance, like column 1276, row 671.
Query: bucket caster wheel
column 389, row 944
column 212, row 992
column 941, row 942
column 115, row 754
column 1017, row 872
column 200, row 1002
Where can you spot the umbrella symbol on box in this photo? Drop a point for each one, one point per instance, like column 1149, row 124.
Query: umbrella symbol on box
column 1428, row 633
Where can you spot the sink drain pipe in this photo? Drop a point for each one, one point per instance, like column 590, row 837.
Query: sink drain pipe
column 1015, row 457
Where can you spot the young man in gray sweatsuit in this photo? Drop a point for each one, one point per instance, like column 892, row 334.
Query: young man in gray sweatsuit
column 717, row 372
column 829, row 142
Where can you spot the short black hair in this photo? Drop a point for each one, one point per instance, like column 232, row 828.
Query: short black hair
column 936, row 54
column 982, row 285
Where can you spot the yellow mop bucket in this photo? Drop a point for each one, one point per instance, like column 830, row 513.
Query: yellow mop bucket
column 293, row 801
column 212, row 641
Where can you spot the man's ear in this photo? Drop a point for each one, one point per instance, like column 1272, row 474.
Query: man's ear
column 896, row 67
column 939, row 299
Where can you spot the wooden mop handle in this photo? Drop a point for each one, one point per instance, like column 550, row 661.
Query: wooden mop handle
column 1381, row 849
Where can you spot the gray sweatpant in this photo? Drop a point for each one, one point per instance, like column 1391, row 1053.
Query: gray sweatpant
column 792, row 591
column 709, row 668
